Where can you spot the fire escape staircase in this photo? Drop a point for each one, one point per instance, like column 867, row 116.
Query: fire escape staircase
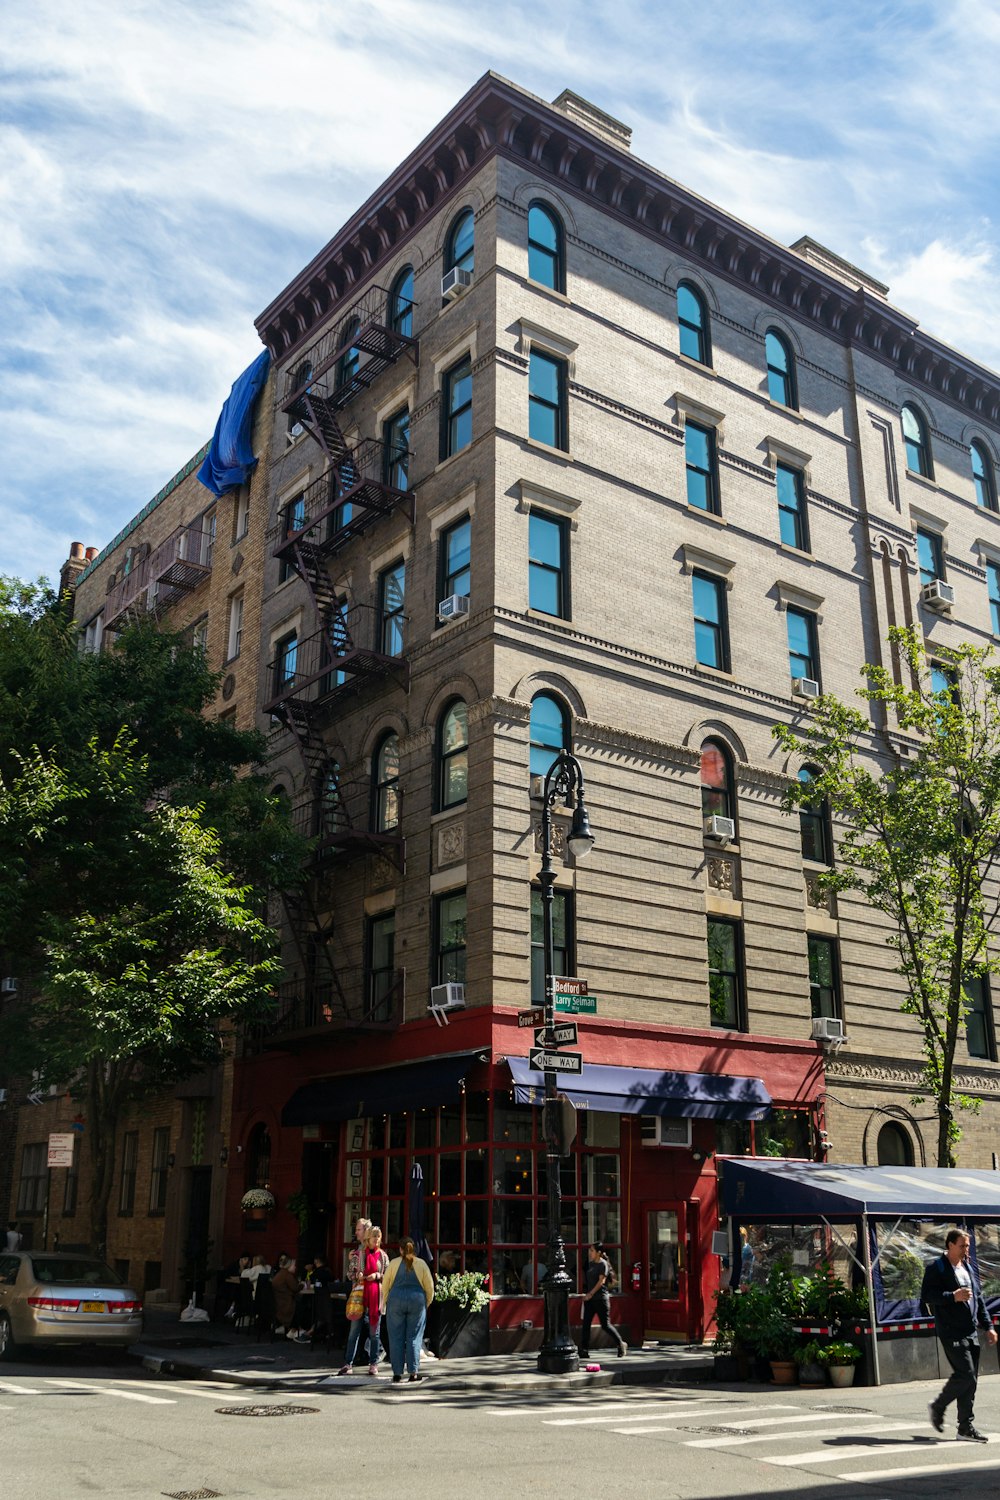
column 178, row 566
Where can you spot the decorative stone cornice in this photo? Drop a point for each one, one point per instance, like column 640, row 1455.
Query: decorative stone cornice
column 609, row 737
column 497, row 118
column 907, row 1076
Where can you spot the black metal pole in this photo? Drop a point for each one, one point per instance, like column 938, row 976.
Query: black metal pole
column 558, row 1354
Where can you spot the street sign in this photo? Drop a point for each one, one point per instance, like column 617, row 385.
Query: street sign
column 61, row 1149
column 559, row 1123
column 563, row 1035
column 568, row 984
column 542, row 1061
column 530, row 1017
column 577, row 1005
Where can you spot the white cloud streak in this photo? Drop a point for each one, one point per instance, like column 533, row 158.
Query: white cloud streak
column 167, row 168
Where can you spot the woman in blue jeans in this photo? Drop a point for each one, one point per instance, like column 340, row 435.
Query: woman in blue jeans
column 407, row 1292
column 371, row 1263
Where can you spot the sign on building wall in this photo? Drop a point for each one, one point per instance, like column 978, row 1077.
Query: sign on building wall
column 61, row 1149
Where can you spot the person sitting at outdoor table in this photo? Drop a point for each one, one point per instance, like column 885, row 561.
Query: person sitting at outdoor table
column 321, row 1274
column 285, row 1285
column 260, row 1267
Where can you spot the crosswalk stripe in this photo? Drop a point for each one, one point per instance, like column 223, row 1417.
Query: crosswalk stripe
column 809, row 1417
column 835, row 1455
column 871, row 1475
column 775, row 1437
column 17, row 1390
column 93, row 1385
column 661, row 1413
column 184, row 1390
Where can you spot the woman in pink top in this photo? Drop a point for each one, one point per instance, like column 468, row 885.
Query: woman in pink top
column 372, row 1261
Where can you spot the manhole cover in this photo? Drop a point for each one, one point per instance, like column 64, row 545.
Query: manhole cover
column 859, row 1410
column 726, row 1431
column 192, row 1494
column 264, row 1411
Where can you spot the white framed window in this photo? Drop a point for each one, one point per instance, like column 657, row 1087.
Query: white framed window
column 235, row 638
column 242, row 513
column 93, row 633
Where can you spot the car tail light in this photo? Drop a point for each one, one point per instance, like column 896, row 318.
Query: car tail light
column 124, row 1307
column 54, row 1304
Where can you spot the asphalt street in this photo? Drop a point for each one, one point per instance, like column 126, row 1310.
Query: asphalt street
column 71, row 1429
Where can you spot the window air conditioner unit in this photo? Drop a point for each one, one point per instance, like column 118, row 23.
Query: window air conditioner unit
column 805, row 687
column 447, row 997
column 828, row 1029
column 454, row 607
column 454, row 283
column 938, row 595
column 720, row 830
column 658, row 1131
column 8, row 986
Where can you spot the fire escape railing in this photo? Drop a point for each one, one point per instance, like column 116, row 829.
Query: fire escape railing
column 366, row 341
column 356, row 645
column 178, row 565
column 351, row 816
column 366, row 998
column 345, row 501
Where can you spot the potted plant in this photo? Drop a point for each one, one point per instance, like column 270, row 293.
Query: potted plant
column 257, row 1203
column 840, row 1358
column 811, row 1372
column 458, row 1322
column 299, row 1205
column 779, row 1341
column 726, row 1365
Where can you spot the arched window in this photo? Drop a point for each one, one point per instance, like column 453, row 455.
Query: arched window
column 401, row 303
column 780, row 370
column 459, row 252
column 453, row 755
column 918, row 449
column 983, row 477
column 549, row 732
column 692, row 319
column 718, row 798
column 348, row 367
column 894, row 1148
column 546, row 264
column 386, row 784
column 258, row 1158
column 814, row 825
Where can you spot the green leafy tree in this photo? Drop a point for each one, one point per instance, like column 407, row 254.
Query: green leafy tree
column 138, row 843
column 920, row 811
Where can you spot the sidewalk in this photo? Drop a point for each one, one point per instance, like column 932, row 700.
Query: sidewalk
column 217, row 1351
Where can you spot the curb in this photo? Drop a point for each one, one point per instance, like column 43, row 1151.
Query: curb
column 643, row 1374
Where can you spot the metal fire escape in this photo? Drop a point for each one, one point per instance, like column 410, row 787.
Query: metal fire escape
column 352, row 647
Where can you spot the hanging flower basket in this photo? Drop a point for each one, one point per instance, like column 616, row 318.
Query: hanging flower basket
column 257, row 1203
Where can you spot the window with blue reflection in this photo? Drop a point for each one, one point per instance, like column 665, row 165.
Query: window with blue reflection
column 456, row 558
column 549, row 733
column 547, row 399
column 401, row 303
column 792, row 507
column 930, row 556
column 780, row 370
column 803, row 658
column 993, row 585
column 396, row 450
column 460, row 253
column 692, row 321
column 348, row 367
column 701, row 470
column 983, row 477
column 711, row 647
column 546, row 565
column 456, row 432
column 915, row 442
column 545, row 248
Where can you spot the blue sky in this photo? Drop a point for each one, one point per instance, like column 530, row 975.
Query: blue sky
column 165, row 169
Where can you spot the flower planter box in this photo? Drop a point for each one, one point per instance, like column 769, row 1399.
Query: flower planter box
column 454, row 1333
column 841, row 1375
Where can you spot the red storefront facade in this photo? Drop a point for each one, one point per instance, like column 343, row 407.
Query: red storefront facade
column 367, row 1108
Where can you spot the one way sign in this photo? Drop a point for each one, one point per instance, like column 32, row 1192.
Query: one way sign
column 542, row 1061
column 563, row 1034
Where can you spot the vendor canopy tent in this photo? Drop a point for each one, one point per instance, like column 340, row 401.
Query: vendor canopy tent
column 804, row 1190
column 387, row 1091
column 642, row 1091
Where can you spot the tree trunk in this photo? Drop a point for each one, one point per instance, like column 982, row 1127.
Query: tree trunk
column 945, row 1112
column 101, row 1127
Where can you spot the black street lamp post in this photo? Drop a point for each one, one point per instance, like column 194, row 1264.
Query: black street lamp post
column 563, row 782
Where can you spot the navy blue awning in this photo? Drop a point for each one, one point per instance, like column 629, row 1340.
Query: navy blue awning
column 386, row 1091
column 800, row 1191
column 644, row 1091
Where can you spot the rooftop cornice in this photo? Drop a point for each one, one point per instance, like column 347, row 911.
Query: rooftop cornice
column 497, row 117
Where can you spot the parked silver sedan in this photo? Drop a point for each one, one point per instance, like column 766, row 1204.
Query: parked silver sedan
column 49, row 1298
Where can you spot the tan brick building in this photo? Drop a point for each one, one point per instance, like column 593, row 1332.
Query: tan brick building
column 193, row 559
column 664, row 471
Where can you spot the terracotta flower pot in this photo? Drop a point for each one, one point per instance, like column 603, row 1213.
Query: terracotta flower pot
column 841, row 1375
column 783, row 1371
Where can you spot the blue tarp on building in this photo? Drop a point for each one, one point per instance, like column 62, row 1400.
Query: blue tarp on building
column 230, row 458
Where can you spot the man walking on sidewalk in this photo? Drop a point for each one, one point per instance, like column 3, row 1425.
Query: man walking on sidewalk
column 952, row 1296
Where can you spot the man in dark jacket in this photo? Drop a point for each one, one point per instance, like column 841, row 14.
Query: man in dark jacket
column 951, row 1295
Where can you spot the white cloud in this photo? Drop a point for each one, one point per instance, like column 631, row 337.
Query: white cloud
column 167, row 169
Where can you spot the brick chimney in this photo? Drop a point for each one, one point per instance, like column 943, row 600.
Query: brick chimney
column 79, row 557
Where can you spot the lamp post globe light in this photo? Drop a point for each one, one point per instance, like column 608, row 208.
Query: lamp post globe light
column 563, row 783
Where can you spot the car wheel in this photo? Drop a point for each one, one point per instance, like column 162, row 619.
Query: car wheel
column 8, row 1348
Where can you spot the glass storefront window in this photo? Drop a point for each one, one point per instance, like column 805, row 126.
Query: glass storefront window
column 600, row 1221
column 397, row 1133
column 451, row 1125
column 732, row 1138
column 451, row 1174
column 786, row 1133
column 513, row 1122
column 476, row 1223
column 595, row 1128
column 512, row 1172
column 513, row 1220
column 475, row 1173
column 450, row 1223
column 424, row 1128
column 600, row 1177
column 398, row 1183
column 477, row 1117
